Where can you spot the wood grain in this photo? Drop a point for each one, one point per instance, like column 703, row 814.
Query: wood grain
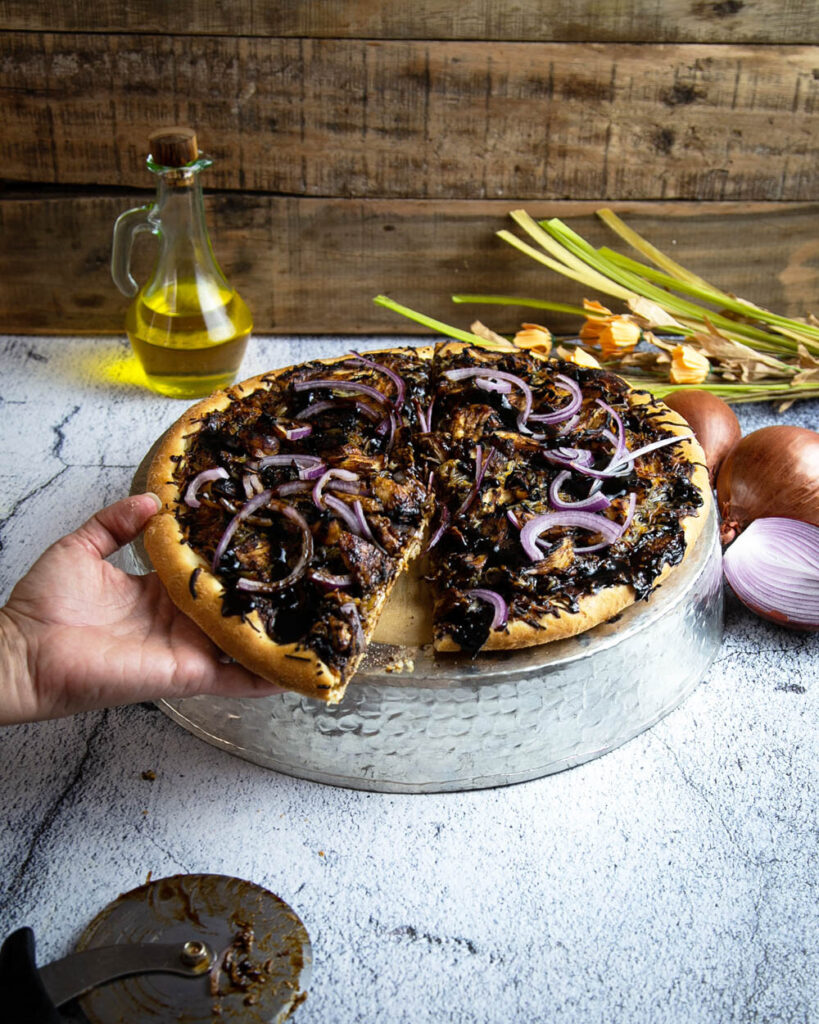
column 461, row 120
column 311, row 266
column 711, row 21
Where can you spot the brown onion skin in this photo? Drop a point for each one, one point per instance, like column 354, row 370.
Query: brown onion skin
column 713, row 421
column 774, row 471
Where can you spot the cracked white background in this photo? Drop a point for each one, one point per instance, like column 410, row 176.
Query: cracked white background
column 674, row 879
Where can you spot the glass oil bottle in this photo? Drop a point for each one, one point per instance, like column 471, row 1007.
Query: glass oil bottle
column 187, row 325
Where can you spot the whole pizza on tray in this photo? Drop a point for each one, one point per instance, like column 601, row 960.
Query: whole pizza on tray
column 547, row 496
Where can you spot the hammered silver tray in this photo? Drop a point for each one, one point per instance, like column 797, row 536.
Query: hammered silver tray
column 416, row 722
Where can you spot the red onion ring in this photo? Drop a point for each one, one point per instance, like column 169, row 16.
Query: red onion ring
column 266, row 500
column 297, row 433
column 344, row 512
column 325, row 478
column 559, row 415
column 632, row 505
column 591, row 503
column 592, row 521
column 330, row 581
column 502, row 387
column 341, row 385
column 309, row 466
column 501, row 608
column 364, row 527
column 217, row 473
column 486, row 372
column 398, row 381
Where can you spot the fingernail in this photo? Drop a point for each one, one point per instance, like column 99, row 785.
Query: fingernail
column 156, row 498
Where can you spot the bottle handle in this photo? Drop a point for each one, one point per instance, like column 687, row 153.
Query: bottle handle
column 127, row 226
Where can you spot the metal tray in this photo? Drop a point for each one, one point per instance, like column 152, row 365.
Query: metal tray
column 416, row 722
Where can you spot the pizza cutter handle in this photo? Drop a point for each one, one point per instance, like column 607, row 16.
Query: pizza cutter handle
column 25, row 999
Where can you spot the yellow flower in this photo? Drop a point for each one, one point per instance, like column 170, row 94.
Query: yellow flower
column 688, row 366
column 577, row 355
column 619, row 336
column 534, row 337
column 593, row 325
column 615, row 334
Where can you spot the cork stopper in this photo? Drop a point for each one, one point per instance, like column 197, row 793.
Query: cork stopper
column 174, row 147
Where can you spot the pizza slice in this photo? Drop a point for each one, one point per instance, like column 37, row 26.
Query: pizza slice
column 562, row 495
column 291, row 504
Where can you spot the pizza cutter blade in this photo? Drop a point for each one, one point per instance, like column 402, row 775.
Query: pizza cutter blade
column 216, row 948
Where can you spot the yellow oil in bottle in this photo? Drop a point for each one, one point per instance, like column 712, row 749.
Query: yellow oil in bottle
column 190, row 337
column 187, row 325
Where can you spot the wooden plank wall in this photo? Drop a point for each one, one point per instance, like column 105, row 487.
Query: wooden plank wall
column 373, row 147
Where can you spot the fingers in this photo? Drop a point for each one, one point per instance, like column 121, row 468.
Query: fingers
column 118, row 524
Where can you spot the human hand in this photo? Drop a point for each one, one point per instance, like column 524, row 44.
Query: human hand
column 78, row 633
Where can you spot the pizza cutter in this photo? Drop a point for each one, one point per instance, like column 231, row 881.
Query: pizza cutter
column 192, row 948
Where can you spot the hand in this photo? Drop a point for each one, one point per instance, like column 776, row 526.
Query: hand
column 78, row 634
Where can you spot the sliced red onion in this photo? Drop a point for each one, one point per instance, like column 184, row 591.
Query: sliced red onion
column 440, row 529
column 620, row 439
column 401, row 388
column 632, row 505
column 488, row 373
column 317, row 407
column 343, row 511
column 593, row 502
column 297, row 433
column 581, row 456
column 308, row 466
column 341, row 385
column 266, row 500
column 773, row 568
column 631, row 456
column 568, row 425
column 523, row 429
column 565, row 411
column 290, row 487
column 592, row 521
column 330, row 581
column 252, row 484
column 325, row 478
column 364, row 527
column 350, row 611
column 217, row 473
column 502, row 387
column 501, row 616
column 336, row 404
column 367, row 410
column 481, row 466
column 513, row 519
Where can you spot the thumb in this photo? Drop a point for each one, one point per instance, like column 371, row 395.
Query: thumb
column 118, row 524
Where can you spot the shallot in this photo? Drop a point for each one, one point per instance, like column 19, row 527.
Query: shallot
column 713, row 421
column 773, row 472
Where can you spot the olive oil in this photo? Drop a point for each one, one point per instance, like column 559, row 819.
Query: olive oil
column 187, row 325
column 188, row 347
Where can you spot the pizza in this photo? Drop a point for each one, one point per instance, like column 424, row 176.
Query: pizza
column 546, row 498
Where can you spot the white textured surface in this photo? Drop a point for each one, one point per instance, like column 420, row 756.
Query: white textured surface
column 673, row 879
